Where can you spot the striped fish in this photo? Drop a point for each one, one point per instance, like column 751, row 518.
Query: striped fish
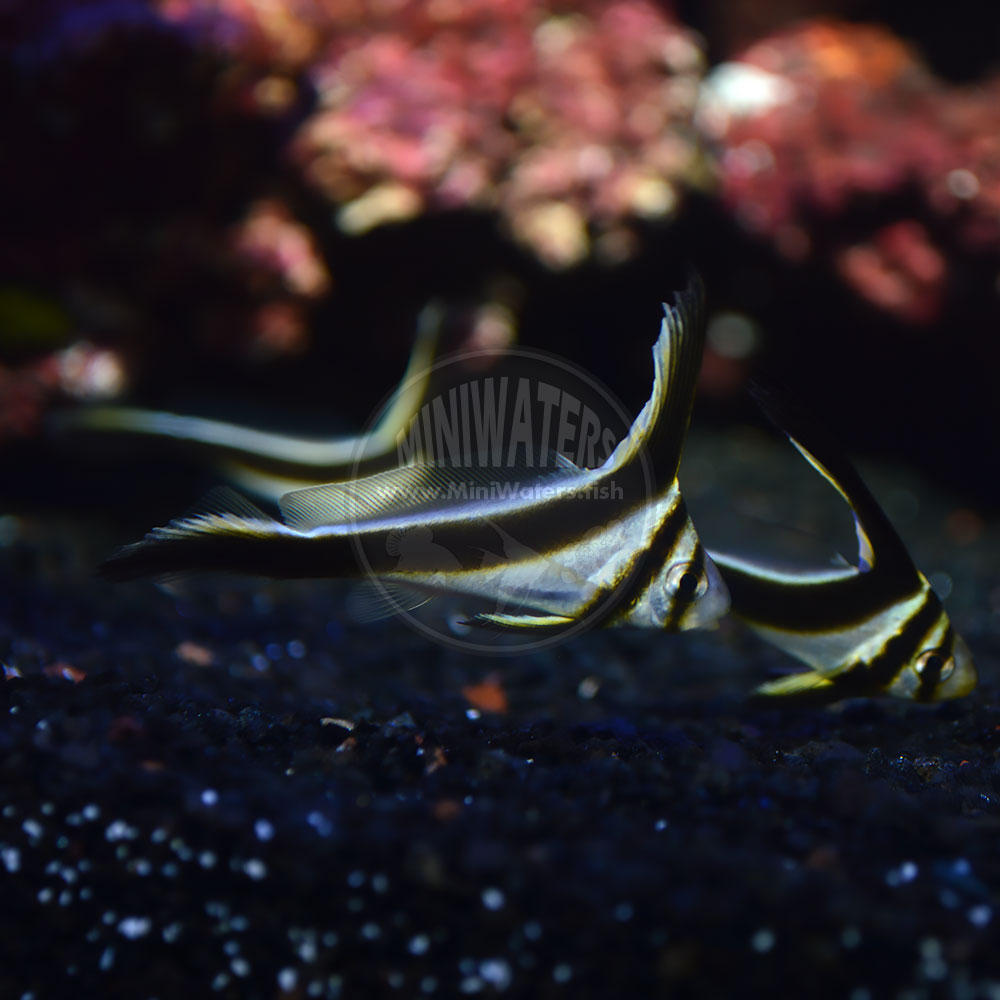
column 267, row 464
column 872, row 628
column 611, row 545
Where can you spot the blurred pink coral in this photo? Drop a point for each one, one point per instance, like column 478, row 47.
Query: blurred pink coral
column 270, row 239
column 81, row 371
column 899, row 269
column 23, row 395
column 568, row 119
column 811, row 119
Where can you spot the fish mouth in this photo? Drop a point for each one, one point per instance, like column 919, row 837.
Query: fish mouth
column 705, row 612
column 963, row 678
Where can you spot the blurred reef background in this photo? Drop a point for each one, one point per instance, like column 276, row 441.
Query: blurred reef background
column 237, row 208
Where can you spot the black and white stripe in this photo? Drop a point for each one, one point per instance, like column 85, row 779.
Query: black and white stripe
column 609, row 556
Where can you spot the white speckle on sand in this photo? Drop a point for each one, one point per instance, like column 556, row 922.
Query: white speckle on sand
column 120, row 830
column 493, row 898
column 562, row 973
column 496, row 972
column 240, row 967
column 134, row 927
column 255, row 869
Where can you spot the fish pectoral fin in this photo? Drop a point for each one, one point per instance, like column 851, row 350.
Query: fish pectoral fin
column 518, row 623
column 371, row 601
column 811, row 682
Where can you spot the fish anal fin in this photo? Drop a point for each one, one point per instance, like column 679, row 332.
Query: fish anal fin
column 224, row 501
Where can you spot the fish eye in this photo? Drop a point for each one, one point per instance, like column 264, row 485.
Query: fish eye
column 686, row 581
column 932, row 663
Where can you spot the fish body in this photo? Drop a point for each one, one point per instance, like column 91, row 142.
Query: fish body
column 269, row 464
column 610, row 545
column 875, row 627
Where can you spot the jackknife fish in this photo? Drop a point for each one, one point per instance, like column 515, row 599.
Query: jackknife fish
column 612, row 545
column 268, row 464
column 876, row 627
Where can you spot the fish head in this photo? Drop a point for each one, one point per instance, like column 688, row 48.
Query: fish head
column 689, row 591
column 941, row 668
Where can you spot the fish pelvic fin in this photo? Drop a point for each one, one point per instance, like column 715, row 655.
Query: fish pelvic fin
column 520, row 623
column 807, row 685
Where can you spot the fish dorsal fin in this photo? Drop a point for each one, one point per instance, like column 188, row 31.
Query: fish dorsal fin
column 331, row 457
column 402, row 491
column 878, row 542
column 659, row 429
column 382, row 493
column 409, row 395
